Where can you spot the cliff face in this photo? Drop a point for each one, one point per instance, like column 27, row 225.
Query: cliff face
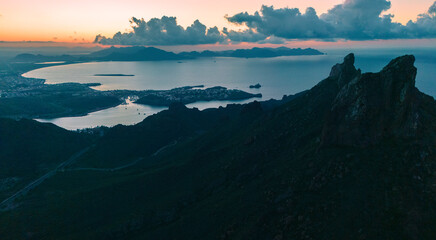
column 371, row 106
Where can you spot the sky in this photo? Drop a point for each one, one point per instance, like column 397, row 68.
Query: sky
column 81, row 20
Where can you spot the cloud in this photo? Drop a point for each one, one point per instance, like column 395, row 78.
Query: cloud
column 247, row 35
column 351, row 20
column 425, row 25
column 285, row 23
column 273, row 40
column 363, row 20
column 163, row 31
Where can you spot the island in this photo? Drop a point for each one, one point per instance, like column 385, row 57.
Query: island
column 113, row 75
column 138, row 53
column 255, row 52
column 256, row 86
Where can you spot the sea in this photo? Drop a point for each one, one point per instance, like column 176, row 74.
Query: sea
column 278, row 77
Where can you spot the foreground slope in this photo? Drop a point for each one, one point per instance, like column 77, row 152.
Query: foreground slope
column 352, row 158
column 29, row 149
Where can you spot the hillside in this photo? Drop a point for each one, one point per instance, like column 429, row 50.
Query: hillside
column 29, row 149
column 352, row 158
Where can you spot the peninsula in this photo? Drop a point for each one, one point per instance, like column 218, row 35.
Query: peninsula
column 189, row 94
column 32, row 98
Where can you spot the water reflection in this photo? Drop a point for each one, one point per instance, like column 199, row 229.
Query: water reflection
column 127, row 114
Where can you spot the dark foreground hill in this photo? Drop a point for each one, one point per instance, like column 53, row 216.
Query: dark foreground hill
column 28, row 149
column 352, row 158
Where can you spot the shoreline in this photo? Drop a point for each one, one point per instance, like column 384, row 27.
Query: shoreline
column 86, row 113
column 41, row 93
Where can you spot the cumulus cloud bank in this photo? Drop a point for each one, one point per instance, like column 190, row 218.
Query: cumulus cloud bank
column 163, row 31
column 425, row 25
column 351, row 20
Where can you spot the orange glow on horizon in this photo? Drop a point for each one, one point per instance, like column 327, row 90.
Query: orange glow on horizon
column 81, row 20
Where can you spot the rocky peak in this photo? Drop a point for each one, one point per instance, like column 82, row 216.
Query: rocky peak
column 371, row 106
column 399, row 77
column 344, row 72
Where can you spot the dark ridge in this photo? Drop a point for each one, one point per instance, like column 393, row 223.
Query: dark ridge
column 352, row 158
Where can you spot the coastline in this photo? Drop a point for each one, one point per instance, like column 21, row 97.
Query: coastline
column 80, row 99
column 67, row 114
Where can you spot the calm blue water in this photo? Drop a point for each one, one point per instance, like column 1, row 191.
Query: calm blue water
column 278, row 76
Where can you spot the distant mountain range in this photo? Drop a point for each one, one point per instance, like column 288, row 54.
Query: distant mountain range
column 352, row 158
column 254, row 53
column 155, row 54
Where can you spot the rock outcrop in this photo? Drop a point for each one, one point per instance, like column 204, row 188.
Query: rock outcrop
column 372, row 106
column 345, row 72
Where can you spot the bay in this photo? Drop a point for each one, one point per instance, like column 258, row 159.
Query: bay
column 278, row 76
